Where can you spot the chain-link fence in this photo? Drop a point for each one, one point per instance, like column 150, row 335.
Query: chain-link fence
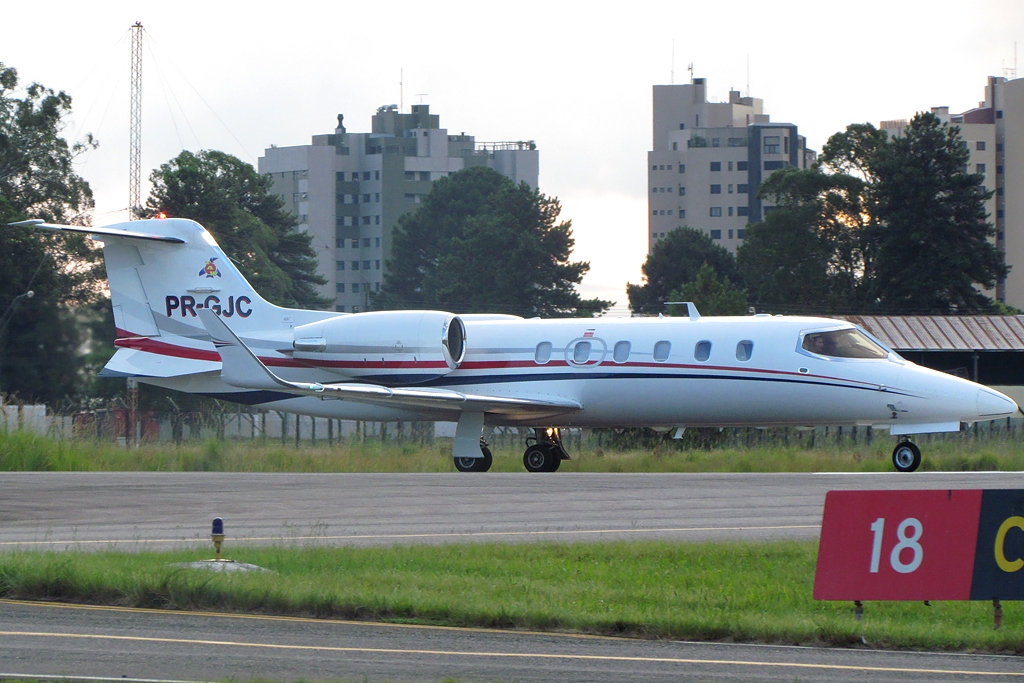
column 118, row 424
column 121, row 425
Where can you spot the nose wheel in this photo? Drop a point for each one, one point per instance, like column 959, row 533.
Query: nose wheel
column 906, row 457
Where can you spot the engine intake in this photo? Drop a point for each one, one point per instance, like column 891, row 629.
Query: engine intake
column 398, row 347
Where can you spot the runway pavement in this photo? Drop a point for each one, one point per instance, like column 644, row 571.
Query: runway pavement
column 61, row 640
column 162, row 510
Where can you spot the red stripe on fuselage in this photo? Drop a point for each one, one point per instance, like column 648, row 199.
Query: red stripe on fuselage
column 176, row 351
column 165, row 349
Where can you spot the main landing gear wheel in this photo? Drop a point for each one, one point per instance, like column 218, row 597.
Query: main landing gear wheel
column 906, row 457
column 475, row 464
column 545, row 453
column 539, row 458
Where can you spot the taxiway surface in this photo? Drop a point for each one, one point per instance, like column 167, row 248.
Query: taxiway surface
column 76, row 641
column 136, row 510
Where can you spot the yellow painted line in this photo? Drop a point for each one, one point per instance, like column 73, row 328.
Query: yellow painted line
column 509, row 655
column 303, row 620
column 50, row 677
column 468, row 534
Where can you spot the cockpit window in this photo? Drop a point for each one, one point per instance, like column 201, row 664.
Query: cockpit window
column 848, row 343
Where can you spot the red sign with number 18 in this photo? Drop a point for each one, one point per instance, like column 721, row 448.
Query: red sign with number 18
column 897, row 545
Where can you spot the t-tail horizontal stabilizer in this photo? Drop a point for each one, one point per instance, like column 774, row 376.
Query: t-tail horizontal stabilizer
column 100, row 232
column 240, row 367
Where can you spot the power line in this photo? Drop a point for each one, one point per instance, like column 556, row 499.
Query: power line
column 203, row 100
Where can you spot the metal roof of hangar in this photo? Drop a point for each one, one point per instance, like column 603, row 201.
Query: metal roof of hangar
column 945, row 333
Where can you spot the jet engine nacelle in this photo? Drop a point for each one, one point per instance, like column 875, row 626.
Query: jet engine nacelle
column 379, row 344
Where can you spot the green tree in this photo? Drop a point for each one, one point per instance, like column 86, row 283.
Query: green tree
column 809, row 252
column 40, row 339
column 894, row 226
column 783, row 261
column 933, row 236
column 710, row 295
column 851, row 152
column 480, row 243
column 675, row 261
column 231, row 200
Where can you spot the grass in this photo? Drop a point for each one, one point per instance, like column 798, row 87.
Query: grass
column 24, row 451
column 750, row 592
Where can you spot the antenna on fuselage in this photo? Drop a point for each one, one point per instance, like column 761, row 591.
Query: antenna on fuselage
column 691, row 308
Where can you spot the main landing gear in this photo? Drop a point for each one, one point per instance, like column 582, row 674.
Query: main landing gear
column 906, row 457
column 544, row 452
column 476, row 464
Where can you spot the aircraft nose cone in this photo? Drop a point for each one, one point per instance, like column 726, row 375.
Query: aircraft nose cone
column 992, row 404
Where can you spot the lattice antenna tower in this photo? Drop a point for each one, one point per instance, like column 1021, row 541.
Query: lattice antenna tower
column 135, row 126
column 1010, row 72
column 748, row 74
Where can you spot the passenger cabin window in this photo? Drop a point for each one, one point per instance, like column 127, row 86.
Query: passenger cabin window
column 581, row 353
column 702, row 351
column 543, row 353
column 621, row 353
column 661, row 350
column 849, row 343
column 744, row 350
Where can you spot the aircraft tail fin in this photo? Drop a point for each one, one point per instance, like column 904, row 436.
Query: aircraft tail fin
column 163, row 271
column 158, row 287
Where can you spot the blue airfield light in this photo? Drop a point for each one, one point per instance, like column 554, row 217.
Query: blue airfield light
column 217, row 535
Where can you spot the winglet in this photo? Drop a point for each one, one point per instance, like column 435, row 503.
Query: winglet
column 240, row 367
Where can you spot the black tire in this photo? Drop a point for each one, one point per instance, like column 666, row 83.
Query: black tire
column 486, row 461
column 475, row 464
column 466, row 464
column 537, row 458
column 556, row 461
column 906, row 457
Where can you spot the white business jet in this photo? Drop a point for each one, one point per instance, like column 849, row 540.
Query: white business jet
column 187, row 320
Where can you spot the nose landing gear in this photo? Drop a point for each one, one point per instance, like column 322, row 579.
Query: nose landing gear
column 546, row 452
column 906, row 457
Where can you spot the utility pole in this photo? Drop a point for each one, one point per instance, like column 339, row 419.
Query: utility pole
column 135, row 126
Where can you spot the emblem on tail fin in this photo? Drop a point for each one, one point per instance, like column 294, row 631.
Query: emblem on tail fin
column 210, row 269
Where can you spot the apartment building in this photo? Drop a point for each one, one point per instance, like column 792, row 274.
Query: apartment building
column 349, row 189
column 994, row 134
column 709, row 158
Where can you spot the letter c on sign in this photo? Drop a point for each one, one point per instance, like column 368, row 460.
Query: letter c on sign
column 1005, row 564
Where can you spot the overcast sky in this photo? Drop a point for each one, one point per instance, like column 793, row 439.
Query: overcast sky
column 576, row 77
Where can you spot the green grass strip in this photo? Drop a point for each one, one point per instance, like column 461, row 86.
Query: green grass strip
column 750, row 592
column 26, row 452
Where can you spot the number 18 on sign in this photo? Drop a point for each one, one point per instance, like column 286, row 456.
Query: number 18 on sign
column 921, row 545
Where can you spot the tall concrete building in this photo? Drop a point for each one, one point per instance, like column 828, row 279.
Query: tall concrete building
column 994, row 133
column 348, row 189
column 709, row 158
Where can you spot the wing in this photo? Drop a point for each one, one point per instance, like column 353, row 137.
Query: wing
column 101, row 232
column 240, row 367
